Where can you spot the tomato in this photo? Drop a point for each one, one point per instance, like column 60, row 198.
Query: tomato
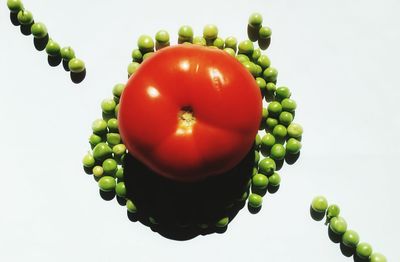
column 190, row 112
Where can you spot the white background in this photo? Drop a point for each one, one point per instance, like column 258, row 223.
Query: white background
column 341, row 60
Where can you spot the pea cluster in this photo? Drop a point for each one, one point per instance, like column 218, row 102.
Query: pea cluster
column 350, row 239
column 24, row 18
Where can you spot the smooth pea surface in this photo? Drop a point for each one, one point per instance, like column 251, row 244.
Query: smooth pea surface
column 107, row 183
column 338, row 225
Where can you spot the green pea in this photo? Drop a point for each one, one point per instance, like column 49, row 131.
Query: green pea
column 118, row 89
column 98, row 171
column 243, row 197
column 119, row 149
column 132, row 68
column 185, row 33
column 76, row 65
column 99, row 127
column 120, row 189
column 270, row 74
column 272, row 123
column 256, row 157
column 53, row 48
column 267, row 166
column 223, row 222
column 274, row 179
column 265, row 32
column 231, row 42
column 255, row 200
column 256, row 55
column 25, row 17
column 261, row 84
column 145, row 44
column 117, row 110
column 15, row 5
column 120, row 173
column 260, row 181
column 110, row 166
column 285, row 118
column 39, row 30
column 199, row 40
column 102, row 151
column 293, row 146
column 112, row 125
column 333, row 210
column 113, row 139
column 271, row 87
column 351, row 238
column 288, row 105
column 210, row 32
column 338, row 225
column 230, row 51
column 108, row 106
column 255, row 20
column 267, row 141
column 319, row 204
column 295, row 130
column 137, row 56
column 107, row 183
column 67, row 53
column 88, row 161
column 94, row 140
column 250, row 66
column 257, row 140
column 278, row 152
column 131, row 206
column 279, row 131
column 377, row 257
column 219, row 43
column 258, row 70
column 242, row 58
column 264, row 61
column 283, row 92
column 246, row 47
column 264, row 115
column 255, row 171
column 147, row 55
column 275, row 108
column 364, row 250
column 162, row 37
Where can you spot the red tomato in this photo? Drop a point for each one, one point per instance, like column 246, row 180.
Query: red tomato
column 190, row 112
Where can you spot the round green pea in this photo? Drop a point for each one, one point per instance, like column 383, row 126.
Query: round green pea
column 98, row 171
column 333, row 210
column 377, row 257
column 257, row 141
column 267, row 166
column 88, row 161
column 145, row 44
column 108, row 106
column 264, row 114
column 246, row 47
column 319, row 204
column 39, row 30
column 265, row 32
column 110, row 166
column 256, row 54
column 25, row 17
column 255, row 20
column 264, row 61
column 132, row 67
column 275, row 108
column 94, row 140
column 242, row 58
column 251, row 67
column 283, row 92
column 99, row 127
column 219, row 43
column 15, row 5
column 112, row 125
column 255, row 200
column 118, row 89
column 279, row 131
column 293, row 146
column 185, row 33
column 285, row 118
column 199, row 40
column 256, row 157
column 258, row 70
column 67, row 53
column 364, row 250
column 272, row 123
column 351, row 238
column 120, row 173
column 53, row 48
column 210, row 32
column 102, row 151
column 131, row 206
column 107, row 183
column 119, row 149
column 288, row 105
column 278, row 152
column 76, row 65
column 295, row 130
column 117, row 110
column 270, row 74
column 230, row 51
column 267, row 141
column 137, row 55
column 120, row 189
column 113, row 139
column 260, row 181
column 338, row 225
column 261, row 84
column 162, row 37
column 274, row 179
column 271, row 87
column 147, row 55
column 223, row 222
column 231, row 42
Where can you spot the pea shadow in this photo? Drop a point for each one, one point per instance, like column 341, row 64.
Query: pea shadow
column 14, row 19
column 77, row 78
column 252, row 33
column 186, row 210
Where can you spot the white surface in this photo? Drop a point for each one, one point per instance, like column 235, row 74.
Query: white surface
column 341, row 60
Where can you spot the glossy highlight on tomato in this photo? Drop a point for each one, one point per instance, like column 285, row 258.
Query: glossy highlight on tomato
column 190, row 112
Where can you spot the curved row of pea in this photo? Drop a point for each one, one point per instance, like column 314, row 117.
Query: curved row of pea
column 24, row 18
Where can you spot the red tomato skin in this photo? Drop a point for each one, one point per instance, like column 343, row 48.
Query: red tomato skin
column 223, row 96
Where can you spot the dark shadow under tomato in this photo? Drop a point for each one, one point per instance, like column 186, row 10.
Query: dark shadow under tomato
column 181, row 209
